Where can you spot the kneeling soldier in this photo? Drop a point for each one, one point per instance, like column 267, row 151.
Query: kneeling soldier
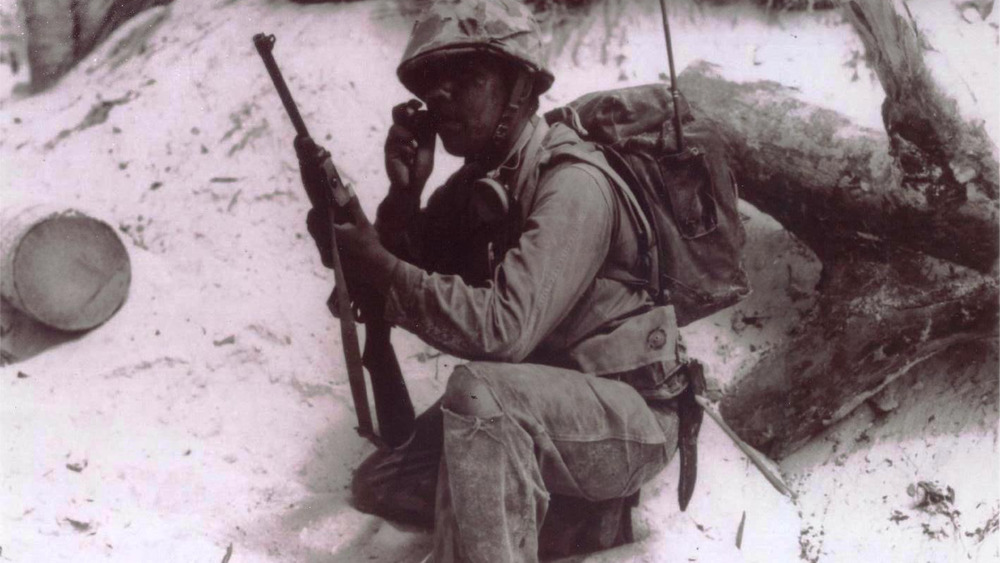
column 526, row 265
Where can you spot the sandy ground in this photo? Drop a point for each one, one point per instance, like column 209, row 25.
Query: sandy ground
column 213, row 411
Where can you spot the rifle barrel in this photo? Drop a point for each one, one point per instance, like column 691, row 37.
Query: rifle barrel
column 265, row 45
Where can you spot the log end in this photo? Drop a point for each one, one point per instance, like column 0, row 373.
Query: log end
column 70, row 272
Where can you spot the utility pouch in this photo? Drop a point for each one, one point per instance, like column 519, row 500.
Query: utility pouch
column 692, row 198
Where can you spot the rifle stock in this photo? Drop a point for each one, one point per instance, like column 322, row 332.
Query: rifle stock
column 392, row 401
column 393, row 407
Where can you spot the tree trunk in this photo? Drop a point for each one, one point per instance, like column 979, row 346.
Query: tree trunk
column 61, row 32
column 905, row 223
column 837, row 186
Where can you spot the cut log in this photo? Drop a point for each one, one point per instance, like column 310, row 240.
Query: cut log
column 61, row 32
column 61, row 267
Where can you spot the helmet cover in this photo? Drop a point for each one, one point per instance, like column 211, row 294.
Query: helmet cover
column 505, row 28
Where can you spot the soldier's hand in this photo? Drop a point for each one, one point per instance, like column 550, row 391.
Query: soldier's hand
column 409, row 147
column 367, row 264
column 314, row 180
column 317, row 185
column 318, row 225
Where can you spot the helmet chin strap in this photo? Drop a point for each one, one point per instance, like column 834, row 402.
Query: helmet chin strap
column 493, row 203
column 520, row 93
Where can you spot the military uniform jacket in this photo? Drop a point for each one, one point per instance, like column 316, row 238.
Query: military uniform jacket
column 557, row 281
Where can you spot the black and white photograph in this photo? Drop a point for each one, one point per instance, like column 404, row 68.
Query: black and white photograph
column 498, row 281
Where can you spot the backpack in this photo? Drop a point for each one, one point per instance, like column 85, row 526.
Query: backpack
column 690, row 232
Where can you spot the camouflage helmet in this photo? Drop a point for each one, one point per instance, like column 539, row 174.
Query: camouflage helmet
column 502, row 27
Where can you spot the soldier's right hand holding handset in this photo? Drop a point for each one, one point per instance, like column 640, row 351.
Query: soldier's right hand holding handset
column 409, row 149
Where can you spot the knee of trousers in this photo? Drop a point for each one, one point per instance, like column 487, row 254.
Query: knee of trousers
column 469, row 394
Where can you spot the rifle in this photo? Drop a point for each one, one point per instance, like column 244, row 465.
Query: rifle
column 393, row 407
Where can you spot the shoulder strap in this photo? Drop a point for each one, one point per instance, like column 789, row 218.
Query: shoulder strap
column 632, row 206
column 538, row 155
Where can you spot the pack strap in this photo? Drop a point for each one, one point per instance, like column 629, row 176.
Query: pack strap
column 538, row 156
column 632, row 207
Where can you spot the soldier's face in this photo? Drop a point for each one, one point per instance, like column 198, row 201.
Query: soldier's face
column 465, row 96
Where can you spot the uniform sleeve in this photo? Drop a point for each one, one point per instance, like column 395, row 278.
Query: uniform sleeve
column 561, row 249
column 399, row 222
column 416, row 234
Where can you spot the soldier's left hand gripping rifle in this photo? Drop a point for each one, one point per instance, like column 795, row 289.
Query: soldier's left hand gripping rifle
column 332, row 199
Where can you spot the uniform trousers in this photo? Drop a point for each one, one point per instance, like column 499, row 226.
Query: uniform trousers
column 560, row 438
